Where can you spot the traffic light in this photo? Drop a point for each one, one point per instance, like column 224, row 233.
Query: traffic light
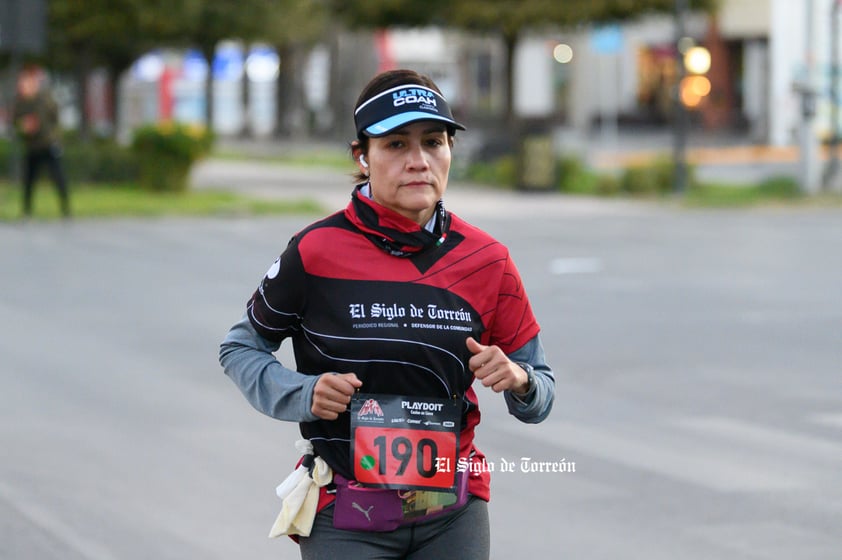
column 695, row 85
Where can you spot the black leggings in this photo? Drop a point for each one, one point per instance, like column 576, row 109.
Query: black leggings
column 34, row 160
column 462, row 534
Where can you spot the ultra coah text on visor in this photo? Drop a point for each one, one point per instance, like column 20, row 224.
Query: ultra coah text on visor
column 399, row 106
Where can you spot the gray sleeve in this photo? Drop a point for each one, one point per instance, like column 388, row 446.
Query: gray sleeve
column 271, row 388
column 535, row 405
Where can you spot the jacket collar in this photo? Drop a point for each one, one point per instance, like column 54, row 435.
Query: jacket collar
column 392, row 232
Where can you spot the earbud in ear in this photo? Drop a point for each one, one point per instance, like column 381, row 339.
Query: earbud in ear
column 363, row 161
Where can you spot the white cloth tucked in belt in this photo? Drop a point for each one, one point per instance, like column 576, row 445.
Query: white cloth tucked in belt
column 300, row 495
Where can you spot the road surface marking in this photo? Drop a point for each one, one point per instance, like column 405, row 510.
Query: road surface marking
column 582, row 265
column 834, row 420
column 785, row 443
column 51, row 524
column 691, row 461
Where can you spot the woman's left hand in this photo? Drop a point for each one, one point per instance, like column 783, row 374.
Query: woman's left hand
column 495, row 370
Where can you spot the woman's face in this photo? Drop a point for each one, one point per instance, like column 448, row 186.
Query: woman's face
column 408, row 169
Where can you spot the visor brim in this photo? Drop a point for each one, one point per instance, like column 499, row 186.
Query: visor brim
column 390, row 124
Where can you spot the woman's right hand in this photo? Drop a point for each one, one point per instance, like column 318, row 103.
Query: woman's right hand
column 332, row 394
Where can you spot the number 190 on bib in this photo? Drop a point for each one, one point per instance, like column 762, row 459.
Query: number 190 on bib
column 404, row 458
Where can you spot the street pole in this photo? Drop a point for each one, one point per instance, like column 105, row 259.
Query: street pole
column 832, row 169
column 22, row 31
column 807, row 89
column 680, row 112
column 10, row 37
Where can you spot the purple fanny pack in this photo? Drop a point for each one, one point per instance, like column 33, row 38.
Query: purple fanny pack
column 359, row 508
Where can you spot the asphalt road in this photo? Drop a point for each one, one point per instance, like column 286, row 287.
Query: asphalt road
column 699, row 400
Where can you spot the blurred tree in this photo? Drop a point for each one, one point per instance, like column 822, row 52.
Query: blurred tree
column 508, row 18
column 385, row 13
column 292, row 28
column 114, row 33
column 211, row 21
column 111, row 33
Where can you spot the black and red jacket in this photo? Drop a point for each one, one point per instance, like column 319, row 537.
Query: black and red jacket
column 368, row 291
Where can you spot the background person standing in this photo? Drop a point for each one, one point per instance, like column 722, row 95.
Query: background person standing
column 36, row 121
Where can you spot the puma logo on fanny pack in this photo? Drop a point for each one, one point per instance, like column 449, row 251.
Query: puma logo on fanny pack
column 359, row 508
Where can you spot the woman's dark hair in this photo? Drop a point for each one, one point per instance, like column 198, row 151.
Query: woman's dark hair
column 382, row 82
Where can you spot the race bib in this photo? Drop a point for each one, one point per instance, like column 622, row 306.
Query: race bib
column 406, row 443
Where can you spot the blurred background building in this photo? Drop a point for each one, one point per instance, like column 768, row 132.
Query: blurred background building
column 593, row 80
